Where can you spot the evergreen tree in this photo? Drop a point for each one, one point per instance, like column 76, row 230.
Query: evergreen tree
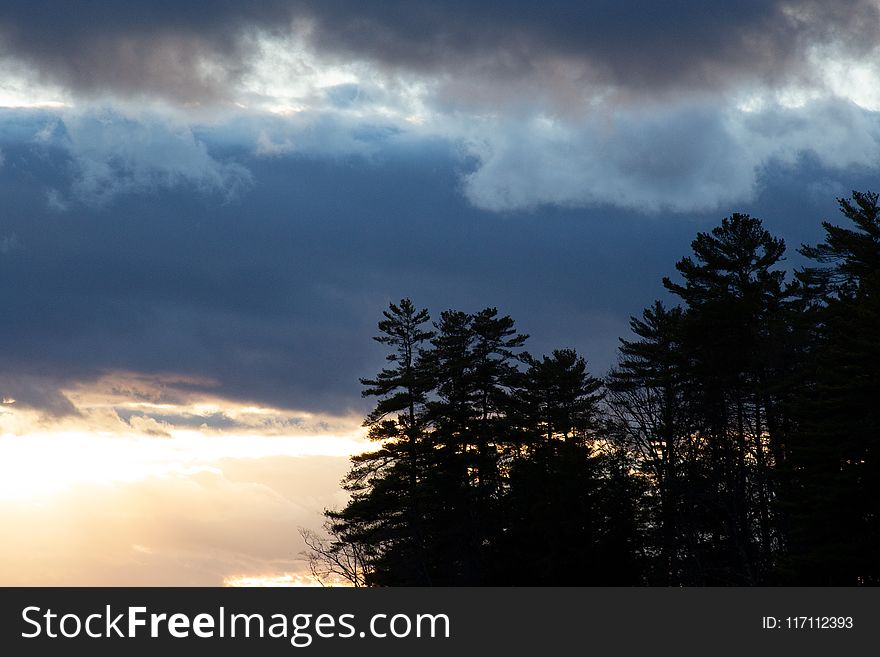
column 474, row 364
column 736, row 442
column 388, row 510
column 732, row 328
column 559, row 398
column 854, row 255
column 572, row 507
column 648, row 401
column 834, row 495
column 486, row 473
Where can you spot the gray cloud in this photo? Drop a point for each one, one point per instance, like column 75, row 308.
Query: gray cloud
column 196, row 50
column 634, row 46
column 180, row 51
column 25, row 390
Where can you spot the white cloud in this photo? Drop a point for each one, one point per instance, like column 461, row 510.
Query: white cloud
column 21, row 88
column 266, row 147
column 684, row 158
column 115, row 154
column 550, row 137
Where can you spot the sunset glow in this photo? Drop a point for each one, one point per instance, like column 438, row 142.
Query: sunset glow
column 140, row 474
column 286, row 579
column 39, row 465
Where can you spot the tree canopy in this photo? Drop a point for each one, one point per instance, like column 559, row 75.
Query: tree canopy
column 736, row 441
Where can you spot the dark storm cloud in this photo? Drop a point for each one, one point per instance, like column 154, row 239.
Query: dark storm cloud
column 33, row 391
column 635, row 45
column 141, row 47
column 162, row 47
column 273, row 296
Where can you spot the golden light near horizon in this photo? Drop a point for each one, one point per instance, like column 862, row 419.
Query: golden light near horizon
column 138, row 486
column 296, row 580
column 40, row 465
column 116, row 435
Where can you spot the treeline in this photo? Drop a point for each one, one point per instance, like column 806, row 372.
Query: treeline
column 735, row 442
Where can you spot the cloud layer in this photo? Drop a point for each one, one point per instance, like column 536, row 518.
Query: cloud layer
column 683, row 158
column 675, row 107
column 197, row 52
column 232, row 191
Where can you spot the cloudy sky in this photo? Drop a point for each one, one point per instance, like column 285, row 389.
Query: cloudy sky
column 206, row 205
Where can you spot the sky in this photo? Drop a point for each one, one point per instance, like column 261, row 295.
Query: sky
column 207, row 205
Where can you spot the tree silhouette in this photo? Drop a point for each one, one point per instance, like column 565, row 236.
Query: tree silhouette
column 733, row 297
column 651, row 416
column 486, row 455
column 572, row 507
column 334, row 558
column 386, row 514
column 834, row 492
column 736, row 441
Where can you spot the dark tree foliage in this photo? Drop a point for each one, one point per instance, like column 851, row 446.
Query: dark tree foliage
column 559, row 399
column 734, row 298
column 571, row 507
column 833, row 492
column 736, row 442
column 854, row 255
column 385, row 516
column 650, row 417
column 489, row 469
